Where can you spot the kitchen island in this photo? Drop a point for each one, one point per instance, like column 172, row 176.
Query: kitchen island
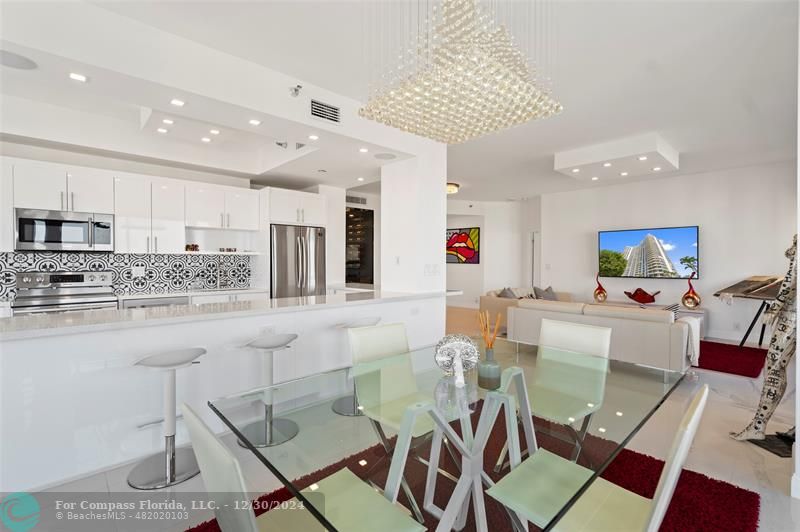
column 72, row 403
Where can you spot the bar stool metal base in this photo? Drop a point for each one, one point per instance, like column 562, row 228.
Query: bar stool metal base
column 346, row 406
column 151, row 473
column 282, row 431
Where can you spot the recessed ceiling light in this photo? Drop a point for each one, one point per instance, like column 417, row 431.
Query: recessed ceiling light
column 363, row 150
column 77, row 77
column 576, row 170
column 214, row 131
column 161, row 130
column 168, row 121
column 313, row 137
column 254, row 122
column 643, row 157
column 360, row 179
column 657, row 169
column 595, row 178
column 206, row 139
column 623, row 174
column 176, row 102
column 606, row 165
column 601, row 429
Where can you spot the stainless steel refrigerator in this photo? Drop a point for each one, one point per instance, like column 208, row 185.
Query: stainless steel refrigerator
column 297, row 261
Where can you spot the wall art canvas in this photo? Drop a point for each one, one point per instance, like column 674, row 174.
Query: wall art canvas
column 464, row 245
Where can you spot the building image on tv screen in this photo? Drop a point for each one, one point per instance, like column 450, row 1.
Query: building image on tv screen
column 650, row 253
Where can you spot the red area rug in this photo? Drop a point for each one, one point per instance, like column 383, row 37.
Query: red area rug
column 730, row 358
column 700, row 503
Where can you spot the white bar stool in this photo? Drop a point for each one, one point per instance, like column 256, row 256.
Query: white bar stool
column 171, row 466
column 348, row 405
column 271, row 431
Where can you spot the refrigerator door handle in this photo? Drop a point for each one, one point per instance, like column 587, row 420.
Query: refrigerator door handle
column 297, row 261
column 304, row 264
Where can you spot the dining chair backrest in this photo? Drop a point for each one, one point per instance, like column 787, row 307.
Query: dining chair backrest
column 676, row 458
column 381, row 382
column 222, row 475
column 575, row 337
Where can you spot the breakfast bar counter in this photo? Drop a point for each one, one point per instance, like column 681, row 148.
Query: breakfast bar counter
column 68, row 383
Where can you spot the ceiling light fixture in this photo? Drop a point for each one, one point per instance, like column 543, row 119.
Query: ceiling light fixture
column 657, row 169
column 623, row 174
column 206, row 139
column 162, row 130
column 606, row 165
column 78, row 77
column 363, row 150
column 460, row 76
column 360, row 179
column 313, row 137
column 595, row 178
column 168, row 121
column 177, row 103
column 452, row 188
column 214, row 131
column 576, row 170
column 254, row 122
column 643, row 157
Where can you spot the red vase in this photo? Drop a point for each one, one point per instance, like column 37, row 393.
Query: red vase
column 642, row 297
column 600, row 293
column 691, row 299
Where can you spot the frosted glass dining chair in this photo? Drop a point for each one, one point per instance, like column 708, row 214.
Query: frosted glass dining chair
column 541, row 485
column 350, row 504
column 567, row 386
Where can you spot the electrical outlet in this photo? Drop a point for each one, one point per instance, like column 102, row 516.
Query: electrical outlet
column 137, row 271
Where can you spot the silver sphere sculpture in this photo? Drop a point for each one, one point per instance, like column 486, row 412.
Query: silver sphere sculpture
column 455, row 355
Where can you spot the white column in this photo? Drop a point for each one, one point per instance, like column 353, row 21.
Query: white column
column 796, row 476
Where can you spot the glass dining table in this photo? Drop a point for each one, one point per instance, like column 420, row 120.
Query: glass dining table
column 419, row 436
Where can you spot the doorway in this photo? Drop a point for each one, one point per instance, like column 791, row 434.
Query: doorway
column 359, row 247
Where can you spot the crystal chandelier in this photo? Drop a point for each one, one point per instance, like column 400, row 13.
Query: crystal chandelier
column 463, row 78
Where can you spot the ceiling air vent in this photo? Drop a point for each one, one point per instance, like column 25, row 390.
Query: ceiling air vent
column 325, row 111
column 356, row 199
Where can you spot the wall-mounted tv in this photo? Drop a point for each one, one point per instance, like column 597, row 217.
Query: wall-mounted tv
column 663, row 253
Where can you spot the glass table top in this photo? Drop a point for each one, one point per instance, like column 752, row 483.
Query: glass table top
column 585, row 409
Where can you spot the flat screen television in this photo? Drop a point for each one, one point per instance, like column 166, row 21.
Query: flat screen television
column 659, row 253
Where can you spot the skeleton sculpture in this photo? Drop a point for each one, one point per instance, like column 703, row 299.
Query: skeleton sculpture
column 783, row 315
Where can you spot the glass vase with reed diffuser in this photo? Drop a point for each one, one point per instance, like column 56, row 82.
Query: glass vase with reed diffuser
column 488, row 368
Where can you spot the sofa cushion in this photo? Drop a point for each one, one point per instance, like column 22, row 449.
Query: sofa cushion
column 630, row 313
column 507, row 293
column 546, row 293
column 552, row 306
column 523, row 291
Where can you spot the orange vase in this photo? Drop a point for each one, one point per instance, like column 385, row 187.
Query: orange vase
column 600, row 293
column 691, row 299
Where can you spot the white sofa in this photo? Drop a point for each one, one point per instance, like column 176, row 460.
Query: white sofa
column 494, row 305
column 650, row 337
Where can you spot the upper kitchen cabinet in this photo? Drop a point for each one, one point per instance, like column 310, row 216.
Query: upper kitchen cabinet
column 205, row 205
column 56, row 187
column 296, row 208
column 39, row 185
column 149, row 215
column 221, row 207
column 6, row 205
column 241, row 209
column 168, row 215
column 90, row 190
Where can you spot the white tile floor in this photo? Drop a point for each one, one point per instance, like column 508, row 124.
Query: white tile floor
column 713, row 453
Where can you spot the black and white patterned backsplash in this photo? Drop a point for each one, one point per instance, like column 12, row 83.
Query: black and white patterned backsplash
column 162, row 273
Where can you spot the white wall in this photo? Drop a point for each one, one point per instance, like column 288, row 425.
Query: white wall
column 796, row 476
column 334, row 233
column 501, row 256
column 747, row 217
column 466, row 277
column 373, row 204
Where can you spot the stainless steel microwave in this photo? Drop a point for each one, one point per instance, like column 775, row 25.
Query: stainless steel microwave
column 63, row 231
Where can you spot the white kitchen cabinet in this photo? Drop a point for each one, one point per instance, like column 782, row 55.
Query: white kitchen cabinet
column 149, row 215
column 168, row 216
column 204, row 300
column 6, row 205
column 132, row 213
column 296, row 208
column 241, row 209
column 39, row 185
column 205, row 205
column 90, row 190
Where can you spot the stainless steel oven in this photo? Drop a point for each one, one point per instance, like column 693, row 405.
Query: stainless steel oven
column 63, row 231
column 40, row 292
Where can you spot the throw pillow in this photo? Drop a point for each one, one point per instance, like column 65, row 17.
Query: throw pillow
column 546, row 294
column 507, row 293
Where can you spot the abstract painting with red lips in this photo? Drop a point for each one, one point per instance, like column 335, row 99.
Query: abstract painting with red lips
column 463, row 245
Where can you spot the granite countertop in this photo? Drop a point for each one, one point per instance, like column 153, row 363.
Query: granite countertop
column 41, row 325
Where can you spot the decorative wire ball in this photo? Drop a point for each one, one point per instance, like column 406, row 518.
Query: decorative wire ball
column 456, row 345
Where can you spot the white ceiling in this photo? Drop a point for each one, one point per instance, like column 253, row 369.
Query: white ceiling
column 718, row 80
